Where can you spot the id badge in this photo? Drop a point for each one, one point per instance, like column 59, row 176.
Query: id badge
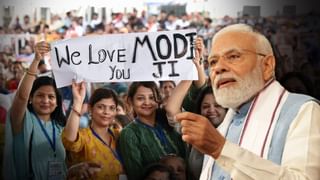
column 55, row 171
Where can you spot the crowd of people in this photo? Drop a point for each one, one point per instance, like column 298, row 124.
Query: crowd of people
column 240, row 119
column 294, row 39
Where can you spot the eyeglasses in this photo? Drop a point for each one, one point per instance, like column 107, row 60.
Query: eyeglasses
column 232, row 56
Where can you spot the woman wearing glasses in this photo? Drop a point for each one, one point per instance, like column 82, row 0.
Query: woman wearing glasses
column 97, row 143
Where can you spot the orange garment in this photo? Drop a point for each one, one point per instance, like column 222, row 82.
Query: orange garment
column 89, row 148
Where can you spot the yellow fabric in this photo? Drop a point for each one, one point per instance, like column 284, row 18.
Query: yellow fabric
column 90, row 149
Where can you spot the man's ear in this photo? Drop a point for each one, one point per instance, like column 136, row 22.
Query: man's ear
column 268, row 69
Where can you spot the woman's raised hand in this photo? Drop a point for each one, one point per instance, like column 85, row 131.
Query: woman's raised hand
column 199, row 50
column 78, row 91
column 40, row 49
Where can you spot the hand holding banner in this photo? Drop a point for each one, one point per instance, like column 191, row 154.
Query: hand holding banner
column 165, row 55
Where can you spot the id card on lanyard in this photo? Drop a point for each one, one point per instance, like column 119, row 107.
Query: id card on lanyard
column 159, row 132
column 55, row 167
column 55, row 170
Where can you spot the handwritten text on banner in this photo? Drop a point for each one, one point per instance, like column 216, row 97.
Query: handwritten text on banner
column 165, row 55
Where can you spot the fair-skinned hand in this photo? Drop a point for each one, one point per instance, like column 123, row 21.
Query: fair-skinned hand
column 200, row 133
column 199, row 50
column 78, row 92
column 84, row 170
column 40, row 49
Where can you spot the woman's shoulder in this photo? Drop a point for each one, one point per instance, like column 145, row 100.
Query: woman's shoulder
column 131, row 130
column 132, row 126
column 85, row 131
column 29, row 114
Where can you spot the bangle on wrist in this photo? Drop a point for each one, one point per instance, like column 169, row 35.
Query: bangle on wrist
column 32, row 73
column 75, row 111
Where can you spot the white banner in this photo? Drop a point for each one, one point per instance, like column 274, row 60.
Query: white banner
column 165, row 55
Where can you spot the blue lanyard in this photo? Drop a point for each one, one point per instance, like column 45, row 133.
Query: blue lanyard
column 159, row 134
column 110, row 132
column 53, row 142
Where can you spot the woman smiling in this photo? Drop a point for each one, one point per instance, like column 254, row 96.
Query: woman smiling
column 96, row 143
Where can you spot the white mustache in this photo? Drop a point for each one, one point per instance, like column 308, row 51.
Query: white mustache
column 224, row 76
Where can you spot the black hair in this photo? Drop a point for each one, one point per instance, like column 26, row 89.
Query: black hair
column 124, row 120
column 57, row 115
column 204, row 91
column 157, row 167
column 99, row 26
column 103, row 93
column 161, row 117
column 162, row 83
column 209, row 20
column 148, row 84
column 17, row 62
column 42, row 62
column 164, row 159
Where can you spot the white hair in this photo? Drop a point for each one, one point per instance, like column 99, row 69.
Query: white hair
column 262, row 44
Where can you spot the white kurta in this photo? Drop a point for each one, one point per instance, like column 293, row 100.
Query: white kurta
column 300, row 159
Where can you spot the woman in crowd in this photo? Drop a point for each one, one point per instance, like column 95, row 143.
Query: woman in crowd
column 97, row 143
column 158, row 171
column 34, row 148
column 184, row 95
column 166, row 88
column 176, row 164
column 208, row 107
column 205, row 105
column 121, row 121
column 124, row 108
column 149, row 136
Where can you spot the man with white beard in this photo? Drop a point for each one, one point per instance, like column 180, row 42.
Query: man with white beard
column 268, row 132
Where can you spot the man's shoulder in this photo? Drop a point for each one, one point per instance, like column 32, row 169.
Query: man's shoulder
column 295, row 98
column 295, row 101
